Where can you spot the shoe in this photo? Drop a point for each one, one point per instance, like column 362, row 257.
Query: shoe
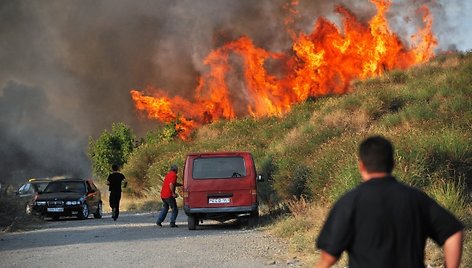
column 114, row 218
column 158, row 224
column 173, row 225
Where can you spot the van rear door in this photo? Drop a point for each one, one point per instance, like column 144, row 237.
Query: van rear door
column 220, row 181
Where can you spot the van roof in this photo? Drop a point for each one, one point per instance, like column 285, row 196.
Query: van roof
column 226, row 153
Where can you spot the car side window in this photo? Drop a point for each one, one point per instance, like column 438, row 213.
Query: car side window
column 89, row 188
column 30, row 189
column 92, row 185
column 26, row 189
column 22, row 189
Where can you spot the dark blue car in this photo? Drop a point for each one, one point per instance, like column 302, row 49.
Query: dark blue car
column 69, row 197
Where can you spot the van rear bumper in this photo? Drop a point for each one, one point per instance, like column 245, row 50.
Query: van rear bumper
column 244, row 209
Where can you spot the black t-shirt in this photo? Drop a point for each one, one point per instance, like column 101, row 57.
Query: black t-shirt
column 385, row 223
column 115, row 180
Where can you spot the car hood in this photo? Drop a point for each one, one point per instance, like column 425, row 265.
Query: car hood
column 59, row 196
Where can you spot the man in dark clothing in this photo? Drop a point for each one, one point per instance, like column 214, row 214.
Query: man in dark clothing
column 385, row 223
column 168, row 196
column 114, row 181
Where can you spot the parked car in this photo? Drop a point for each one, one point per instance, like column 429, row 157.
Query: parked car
column 69, row 197
column 220, row 186
column 28, row 192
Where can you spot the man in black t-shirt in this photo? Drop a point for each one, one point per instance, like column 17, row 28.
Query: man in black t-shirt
column 385, row 223
column 114, row 182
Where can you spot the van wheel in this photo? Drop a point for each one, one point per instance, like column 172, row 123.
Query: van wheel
column 192, row 222
column 253, row 219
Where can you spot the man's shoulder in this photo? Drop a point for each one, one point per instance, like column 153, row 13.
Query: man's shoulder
column 349, row 197
column 116, row 175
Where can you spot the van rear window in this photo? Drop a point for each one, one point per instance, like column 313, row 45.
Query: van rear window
column 218, row 167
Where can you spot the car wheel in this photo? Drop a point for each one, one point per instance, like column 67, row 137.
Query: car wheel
column 84, row 213
column 29, row 209
column 192, row 222
column 98, row 214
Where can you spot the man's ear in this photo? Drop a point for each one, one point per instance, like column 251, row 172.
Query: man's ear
column 361, row 165
column 362, row 170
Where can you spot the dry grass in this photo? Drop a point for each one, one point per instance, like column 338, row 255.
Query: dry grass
column 12, row 216
column 301, row 229
column 356, row 121
column 205, row 132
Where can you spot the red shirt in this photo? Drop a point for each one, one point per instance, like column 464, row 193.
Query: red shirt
column 171, row 177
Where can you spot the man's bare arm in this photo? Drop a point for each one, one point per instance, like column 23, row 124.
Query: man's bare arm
column 326, row 260
column 172, row 189
column 453, row 250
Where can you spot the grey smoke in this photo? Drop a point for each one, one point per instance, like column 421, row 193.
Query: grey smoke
column 66, row 67
column 36, row 142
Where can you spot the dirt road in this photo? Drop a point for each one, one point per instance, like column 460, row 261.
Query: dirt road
column 135, row 241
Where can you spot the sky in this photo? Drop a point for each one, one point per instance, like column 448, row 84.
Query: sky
column 67, row 66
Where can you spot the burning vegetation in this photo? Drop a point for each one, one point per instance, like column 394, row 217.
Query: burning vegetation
column 243, row 79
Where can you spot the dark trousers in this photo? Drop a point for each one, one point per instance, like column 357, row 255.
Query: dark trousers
column 166, row 203
column 115, row 198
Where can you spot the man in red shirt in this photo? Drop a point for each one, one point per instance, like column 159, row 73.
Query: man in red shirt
column 168, row 196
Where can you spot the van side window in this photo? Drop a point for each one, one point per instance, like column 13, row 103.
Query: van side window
column 218, row 167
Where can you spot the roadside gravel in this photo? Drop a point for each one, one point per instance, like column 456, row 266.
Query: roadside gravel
column 135, row 241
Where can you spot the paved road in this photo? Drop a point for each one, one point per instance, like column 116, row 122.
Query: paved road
column 135, row 241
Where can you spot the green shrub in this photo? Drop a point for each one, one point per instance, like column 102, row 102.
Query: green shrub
column 451, row 195
column 112, row 147
column 298, row 186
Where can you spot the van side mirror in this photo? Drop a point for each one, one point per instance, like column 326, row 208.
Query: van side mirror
column 260, row 178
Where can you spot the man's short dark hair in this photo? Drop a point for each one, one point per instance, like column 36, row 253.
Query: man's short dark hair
column 376, row 153
column 114, row 167
column 174, row 167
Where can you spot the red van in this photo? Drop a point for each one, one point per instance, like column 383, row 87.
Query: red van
column 220, row 186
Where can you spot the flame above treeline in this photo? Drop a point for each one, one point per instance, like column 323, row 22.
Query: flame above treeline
column 320, row 63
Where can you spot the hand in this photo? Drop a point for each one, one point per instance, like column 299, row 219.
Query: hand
column 174, row 195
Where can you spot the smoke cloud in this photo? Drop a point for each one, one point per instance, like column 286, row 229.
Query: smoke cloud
column 67, row 66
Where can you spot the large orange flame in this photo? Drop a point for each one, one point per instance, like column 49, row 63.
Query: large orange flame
column 320, row 63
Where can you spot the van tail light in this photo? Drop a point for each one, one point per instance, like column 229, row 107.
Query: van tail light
column 254, row 195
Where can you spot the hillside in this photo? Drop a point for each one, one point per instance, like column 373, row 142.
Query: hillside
column 311, row 151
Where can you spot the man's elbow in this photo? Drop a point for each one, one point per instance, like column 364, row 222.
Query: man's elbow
column 453, row 250
column 326, row 260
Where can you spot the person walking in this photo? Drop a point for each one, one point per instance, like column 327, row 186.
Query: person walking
column 385, row 223
column 168, row 196
column 114, row 182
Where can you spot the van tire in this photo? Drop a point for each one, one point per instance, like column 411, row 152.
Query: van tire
column 253, row 219
column 192, row 222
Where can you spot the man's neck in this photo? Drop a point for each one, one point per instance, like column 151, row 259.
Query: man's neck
column 374, row 175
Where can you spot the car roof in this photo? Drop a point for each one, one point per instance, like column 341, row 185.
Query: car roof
column 39, row 180
column 71, row 179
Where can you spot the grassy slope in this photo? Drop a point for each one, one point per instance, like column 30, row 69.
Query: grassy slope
column 426, row 111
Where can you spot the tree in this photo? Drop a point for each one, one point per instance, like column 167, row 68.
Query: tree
column 111, row 148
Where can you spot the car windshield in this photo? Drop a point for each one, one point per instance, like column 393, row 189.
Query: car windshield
column 218, row 167
column 65, row 186
column 41, row 186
